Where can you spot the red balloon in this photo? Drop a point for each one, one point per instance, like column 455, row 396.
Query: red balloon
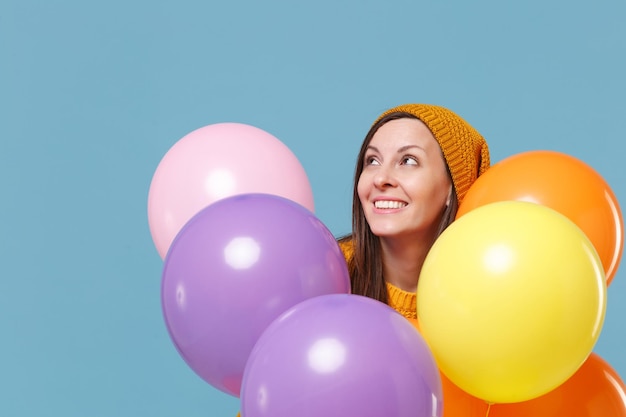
column 595, row 390
column 563, row 183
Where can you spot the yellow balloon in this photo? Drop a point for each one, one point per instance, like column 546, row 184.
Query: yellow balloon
column 511, row 299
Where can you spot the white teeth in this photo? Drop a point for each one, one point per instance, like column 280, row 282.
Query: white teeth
column 389, row 204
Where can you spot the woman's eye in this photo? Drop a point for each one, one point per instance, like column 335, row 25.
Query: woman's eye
column 409, row 160
column 370, row 160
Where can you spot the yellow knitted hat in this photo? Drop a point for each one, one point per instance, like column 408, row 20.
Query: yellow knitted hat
column 464, row 149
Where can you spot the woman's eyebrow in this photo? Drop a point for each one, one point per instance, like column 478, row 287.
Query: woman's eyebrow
column 400, row 150
column 407, row 147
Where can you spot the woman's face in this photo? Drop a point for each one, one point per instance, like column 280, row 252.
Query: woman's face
column 404, row 185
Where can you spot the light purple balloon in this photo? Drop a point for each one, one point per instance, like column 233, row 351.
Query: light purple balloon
column 341, row 355
column 235, row 267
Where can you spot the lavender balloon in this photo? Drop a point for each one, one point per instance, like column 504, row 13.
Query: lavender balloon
column 341, row 355
column 235, row 267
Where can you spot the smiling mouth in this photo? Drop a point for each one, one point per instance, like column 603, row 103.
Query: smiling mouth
column 386, row 204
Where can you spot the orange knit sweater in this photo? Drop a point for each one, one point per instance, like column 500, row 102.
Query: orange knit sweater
column 404, row 302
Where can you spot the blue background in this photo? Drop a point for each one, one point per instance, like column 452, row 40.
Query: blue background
column 93, row 94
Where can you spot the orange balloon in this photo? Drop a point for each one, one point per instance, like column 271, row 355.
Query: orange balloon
column 456, row 402
column 563, row 183
column 595, row 390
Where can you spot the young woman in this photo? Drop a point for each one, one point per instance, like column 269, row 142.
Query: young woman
column 415, row 166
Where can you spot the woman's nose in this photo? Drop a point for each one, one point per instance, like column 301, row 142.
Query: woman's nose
column 384, row 177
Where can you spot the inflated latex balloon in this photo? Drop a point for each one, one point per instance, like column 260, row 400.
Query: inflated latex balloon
column 511, row 299
column 563, row 183
column 234, row 267
column 218, row 161
column 595, row 390
column 341, row 355
column 456, row 402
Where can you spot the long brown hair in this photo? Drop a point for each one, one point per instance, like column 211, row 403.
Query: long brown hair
column 366, row 264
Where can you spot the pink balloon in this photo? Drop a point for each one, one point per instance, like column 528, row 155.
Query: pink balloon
column 218, row 161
